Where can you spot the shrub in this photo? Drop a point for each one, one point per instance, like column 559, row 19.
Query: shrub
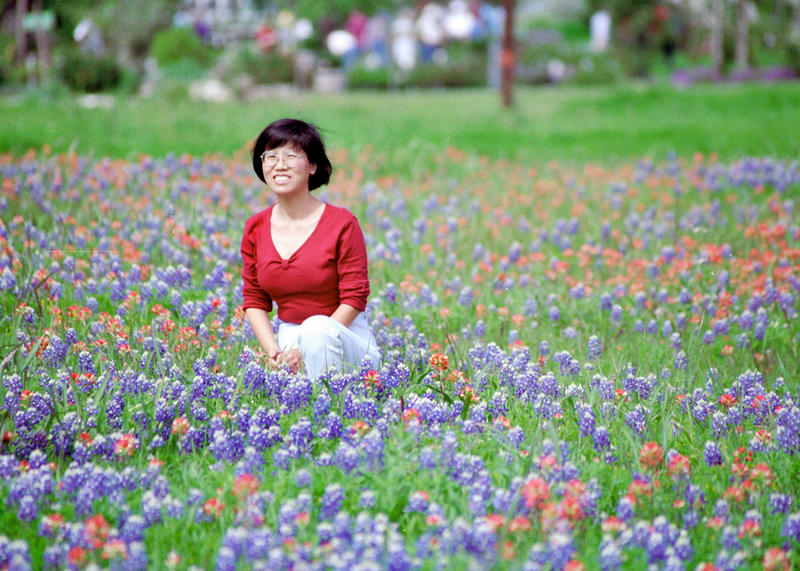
column 581, row 66
column 272, row 67
column 362, row 77
column 465, row 67
column 176, row 44
column 85, row 73
column 596, row 69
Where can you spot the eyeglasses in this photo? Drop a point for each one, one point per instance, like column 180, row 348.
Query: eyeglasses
column 270, row 158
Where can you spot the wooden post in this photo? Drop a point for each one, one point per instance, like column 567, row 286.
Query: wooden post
column 507, row 58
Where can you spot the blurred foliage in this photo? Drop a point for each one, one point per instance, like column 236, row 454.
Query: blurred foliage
column 362, row 77
column 465, row 65
column 578, row 66
column 128, row 27
column 176, row 44
column 335, row 12
column 90, row 74
column 262, row 68
column 9, row 72
column 570, row 30
column 646, row 31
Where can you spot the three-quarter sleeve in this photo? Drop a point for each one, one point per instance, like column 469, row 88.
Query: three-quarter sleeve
column 253, row 295
column 352, row 267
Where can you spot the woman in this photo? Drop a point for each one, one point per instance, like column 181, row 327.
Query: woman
column 306, row 256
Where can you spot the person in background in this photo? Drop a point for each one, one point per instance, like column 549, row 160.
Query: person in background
column 306, row 256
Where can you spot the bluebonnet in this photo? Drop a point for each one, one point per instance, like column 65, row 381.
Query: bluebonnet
column 780, row 503
column 791, row 527
column 594, row 348
column 712, row 454
column 331, row 501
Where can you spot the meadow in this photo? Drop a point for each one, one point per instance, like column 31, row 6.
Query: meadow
column 567, row 124
column 589, row 357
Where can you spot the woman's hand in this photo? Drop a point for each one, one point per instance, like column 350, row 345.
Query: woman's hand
column 293, row 359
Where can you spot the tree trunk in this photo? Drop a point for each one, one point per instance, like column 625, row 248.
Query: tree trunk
column 742, row 54
column 22, row 35
column 716, row 38
column 507, row 58
column 42, row 38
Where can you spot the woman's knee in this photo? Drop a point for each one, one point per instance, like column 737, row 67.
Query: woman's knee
column 318, row 331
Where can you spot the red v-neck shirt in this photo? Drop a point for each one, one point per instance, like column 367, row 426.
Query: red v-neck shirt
column 327, row 270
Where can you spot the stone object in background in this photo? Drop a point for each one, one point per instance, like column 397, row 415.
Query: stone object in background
column 212, row 90
column 329, row 80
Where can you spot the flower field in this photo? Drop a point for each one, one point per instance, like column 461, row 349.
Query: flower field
column 584, row 367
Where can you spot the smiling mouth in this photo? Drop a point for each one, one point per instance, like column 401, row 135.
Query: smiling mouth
column 281, row 178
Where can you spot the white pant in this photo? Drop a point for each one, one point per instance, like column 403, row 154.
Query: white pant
column 326, row 343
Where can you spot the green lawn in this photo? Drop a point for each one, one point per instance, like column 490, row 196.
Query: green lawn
column 607, row 124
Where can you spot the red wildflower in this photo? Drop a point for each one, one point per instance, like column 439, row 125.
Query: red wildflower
column 762, row 474
column 410, row 415
column 651, row 455
column 639, row 488
column 734, row 493
column 570, row 508
column 439, row 361
column 547, row 463
column 213, row 507
column 96, row 530
column 612, row 523
column 180, row 425
column 740, row 469
column 52, row 522
column 508, row 551
column 434, row 519
column 535, row 491
column 678, row 466
column 764, row 436
column 77, row 556
column 519, row 523
column 359, row 428
column 750, row 528
column 467, row 395
column 302, row 518
column 372, row 379
column 776, row 559
column 245, row 485
column 173, row 560
column 115, row 549
column 495, row 521
column 126, row 445
column 575, row 488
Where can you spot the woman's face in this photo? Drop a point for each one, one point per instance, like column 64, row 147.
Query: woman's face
column 286, row 169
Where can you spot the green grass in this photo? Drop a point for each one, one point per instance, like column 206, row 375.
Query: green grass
column 609, row 124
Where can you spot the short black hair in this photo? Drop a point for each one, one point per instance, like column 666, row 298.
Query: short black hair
column 298, row 134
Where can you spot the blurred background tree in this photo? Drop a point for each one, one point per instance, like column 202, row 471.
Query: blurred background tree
column 723, row 38
column 128, row 26
column 335, row 11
